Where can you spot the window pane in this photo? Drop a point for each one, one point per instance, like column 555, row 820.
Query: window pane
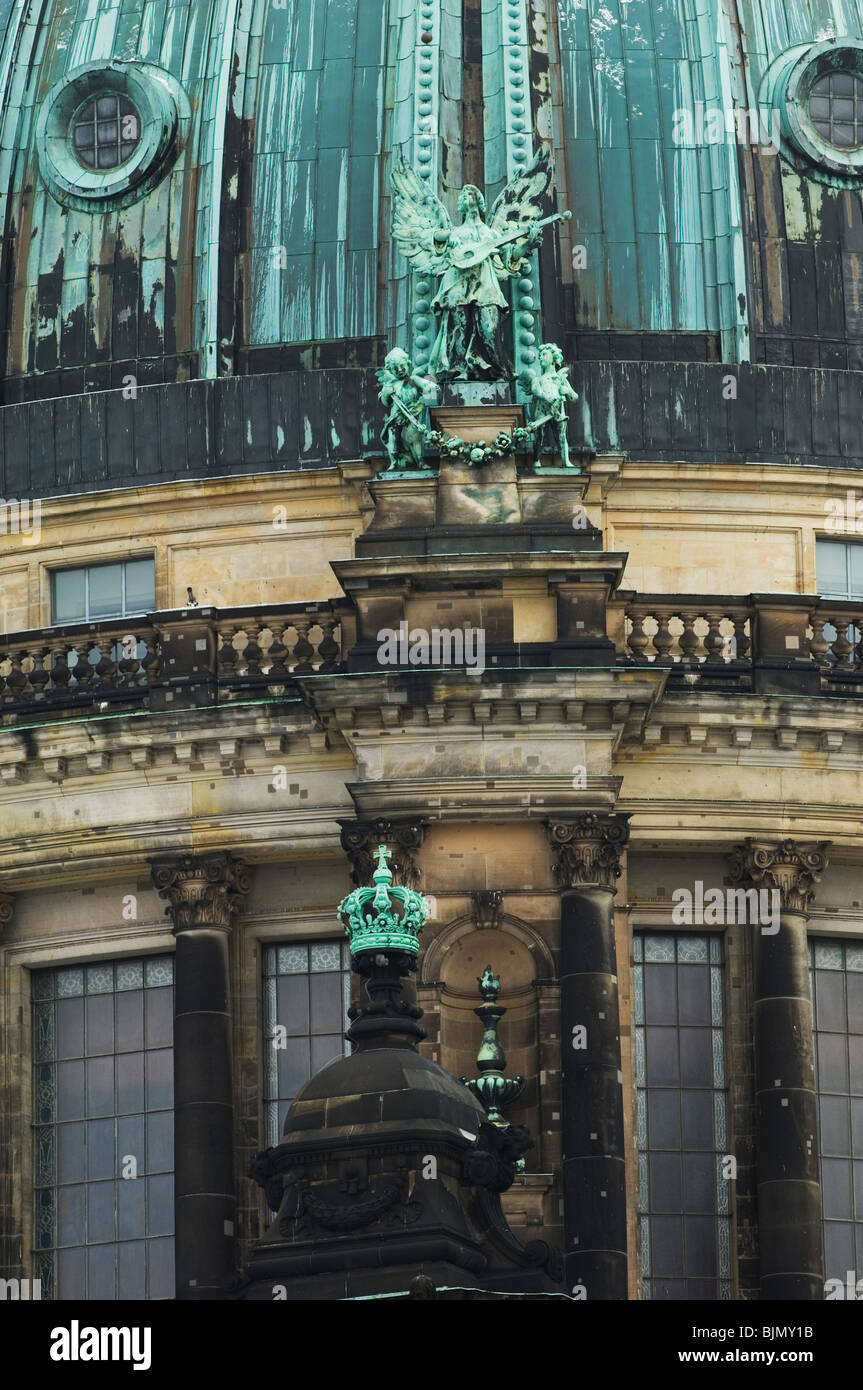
column 106, row 591
column 831, row 565
column 100, row 1211
column 100, row 1149
column 69, row 598
column 70, row 1153
column 140, row 586
column 70, row 1027
column 326, row 1006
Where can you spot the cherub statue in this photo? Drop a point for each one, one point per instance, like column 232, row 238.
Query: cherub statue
column 403, row 434
column 549, row 390
column 472, row 260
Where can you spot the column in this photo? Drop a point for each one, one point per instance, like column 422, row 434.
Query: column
column 204, row 892
column 586, row 866
column 786, row 1127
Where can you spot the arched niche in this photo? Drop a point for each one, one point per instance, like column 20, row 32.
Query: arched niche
column 451, row 968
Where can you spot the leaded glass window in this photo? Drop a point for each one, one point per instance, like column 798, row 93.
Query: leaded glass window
column 836, row 974
column 307, row 991
column 104, row 1129
column 683, row 1189
column 106, row 132
column 836, row 108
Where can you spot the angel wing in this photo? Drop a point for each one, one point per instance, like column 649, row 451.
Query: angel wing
column 519, row 204
column 417, row 215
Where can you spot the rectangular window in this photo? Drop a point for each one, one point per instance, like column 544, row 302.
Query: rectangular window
column 104, row 1129
column 93, row 592
column 683, row 1190
column 836, row 973
column 839, row 567
column 307, row 991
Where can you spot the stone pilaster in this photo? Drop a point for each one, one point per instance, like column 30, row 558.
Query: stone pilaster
column 586, row 866
column 786, row 1129
column 360, row 839
column 204, row 893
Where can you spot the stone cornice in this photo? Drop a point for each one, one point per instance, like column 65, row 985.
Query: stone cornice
column 202, row 890
column 587, row 851
column 792, row 868
column 485, row 797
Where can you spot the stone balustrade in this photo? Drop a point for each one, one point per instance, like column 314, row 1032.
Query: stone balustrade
column 212, row 656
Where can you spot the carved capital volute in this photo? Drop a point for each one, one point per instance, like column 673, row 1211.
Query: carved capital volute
column 790, row 867
column 202, row 890
column 360, row 839
column 7, row 907
column 587, row 850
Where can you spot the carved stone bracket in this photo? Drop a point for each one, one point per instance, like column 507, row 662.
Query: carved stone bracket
column 360, row 839
column 587, row 850
column 487, row 904
column 203, row 890
column 789, row 866
column 7, row 907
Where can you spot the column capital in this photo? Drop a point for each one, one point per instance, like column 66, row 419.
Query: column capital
column 202, row 890
column 360, row 839
column 7, row 907
column 792, row 868
column 587, row 849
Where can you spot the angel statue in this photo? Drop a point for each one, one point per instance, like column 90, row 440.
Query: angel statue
column 549, row 390
column 472, row 260
column 403, row 433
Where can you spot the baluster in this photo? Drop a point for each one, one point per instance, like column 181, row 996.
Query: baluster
column 840, row 645
column 39, row 675
column 105, row 669
column 277, row 652
column 228, row 657
column 329, row 649
column 857, row 653
column 714, row 642
column 689, row 641
column 61, row 671
column 741, row 639
column 303, row 648
column 638, row 640
column 663, row 639
column 819, row 645
column 129, row 665
column 16, row 681
column 252, row 652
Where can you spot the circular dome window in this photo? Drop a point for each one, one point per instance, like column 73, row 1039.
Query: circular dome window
column 817, row 89
column 836, row 108
column 108, row 132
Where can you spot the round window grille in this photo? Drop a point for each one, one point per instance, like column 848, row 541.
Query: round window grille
column 106, row 132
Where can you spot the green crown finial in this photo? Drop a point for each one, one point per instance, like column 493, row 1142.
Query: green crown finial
column 383, row 918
